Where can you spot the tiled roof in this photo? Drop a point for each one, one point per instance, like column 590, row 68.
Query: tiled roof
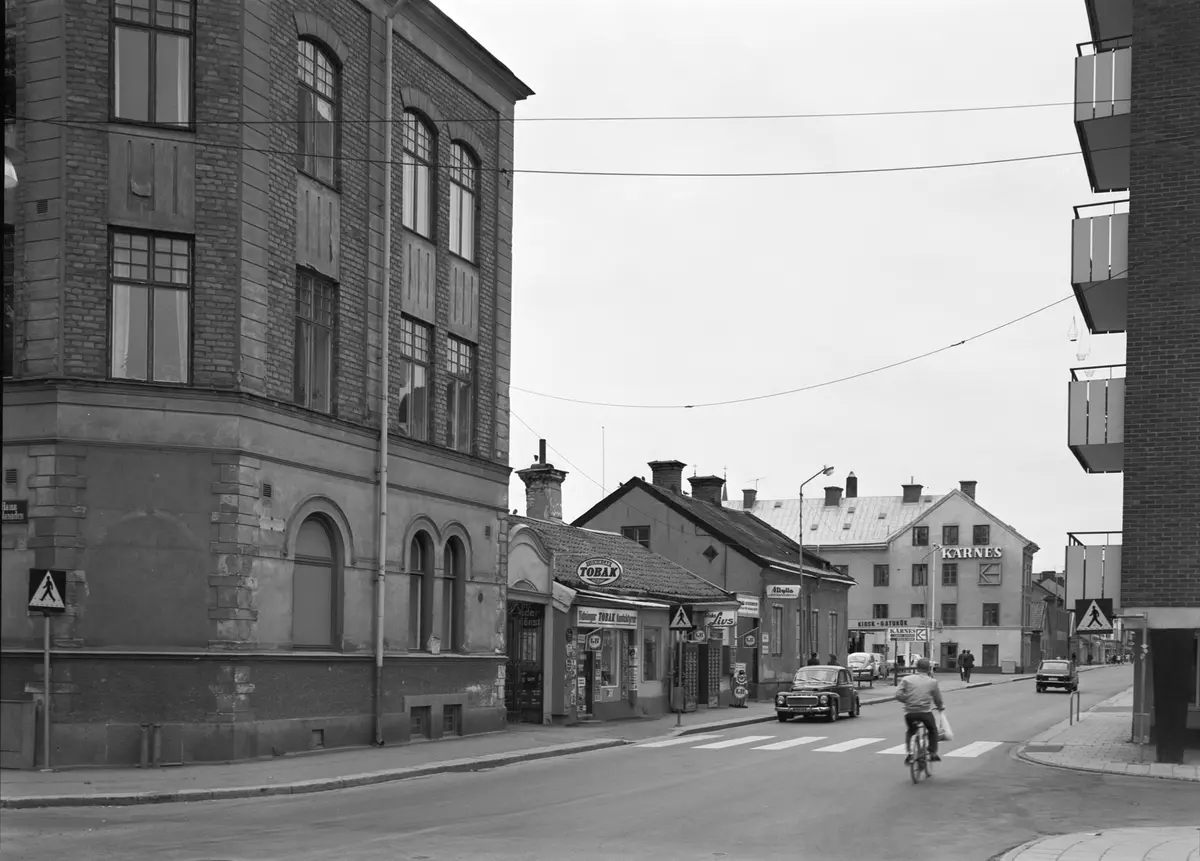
column 871, row 519
column 644, row 573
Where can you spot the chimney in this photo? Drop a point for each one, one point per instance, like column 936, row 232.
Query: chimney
column 833, row 496
column 912, row 492
column 543, row 488
column 707, row 488
column 851, row 486
column 667, row 474
column 968, row 487
column 749, row 497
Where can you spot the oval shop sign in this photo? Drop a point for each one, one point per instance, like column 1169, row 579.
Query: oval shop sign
column 598, row 571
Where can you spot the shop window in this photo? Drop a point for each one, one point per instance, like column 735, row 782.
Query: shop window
column 640, row 534
column 991, row 615
column 879, row 611
column 989, row 573
column 460, row 395
column 991, row 656
column 150, row 297
column 882, row 575
column 314, row 582
column 454, row 577
column 950, row 536
column 949, row 573
column 610, row 658
column 776, row 630
column 152, row 62
column 981, row 535
column 950, row 614
column 413, row 401
column 916, row 611
column 920, row 574
column 920, row 536
column 317, row 120
column 420, row 591
column 651, row 644
column 416, row 160
column 316, row 320
column 464, row 179
column 814, row 633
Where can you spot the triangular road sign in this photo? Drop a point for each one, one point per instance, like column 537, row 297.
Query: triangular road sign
column 1093, row 620
column 47, row 596
column 681, row 621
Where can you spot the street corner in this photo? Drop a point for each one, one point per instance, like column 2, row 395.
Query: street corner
column 1119, row 844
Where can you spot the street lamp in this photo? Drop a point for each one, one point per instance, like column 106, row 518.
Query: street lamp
column 931, row 587
column 825, row 470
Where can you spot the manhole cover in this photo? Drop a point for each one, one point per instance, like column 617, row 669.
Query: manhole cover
column 1043, row 748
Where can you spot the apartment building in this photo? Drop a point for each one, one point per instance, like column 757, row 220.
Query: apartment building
column 1134, row 269
column 937, row 573
column 238, row 292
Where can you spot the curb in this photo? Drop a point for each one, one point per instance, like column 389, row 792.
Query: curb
column 478, row 763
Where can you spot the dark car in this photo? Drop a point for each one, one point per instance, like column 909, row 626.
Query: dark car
column 1058, row 673
column 819, row 690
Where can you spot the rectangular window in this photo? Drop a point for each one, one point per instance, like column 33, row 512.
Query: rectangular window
column 834, row 635
column 150, row 307
column 460, row 395
column 916, row 611
column 312, row 610
column 776, row 630
column 316, row 113
column 989, row 573
column 610, row 658
column 449, row 603
column 814, row 635
column 462, row 202
column 799, row 633
column 881, row 575
column 991, row 615
column 920, row 536
column 414, row 610
column 416, row 180
column 316, row 322
column 991, row 656
column 950, row 614
column 879, row 611
column 651, row 638
column 640, row 534
column 920, row 574
column 981, row 535
column 152, row 61
column 842, row 569
column 10, row 297
column 949, row 573
column 950, row 536
column 416, row 351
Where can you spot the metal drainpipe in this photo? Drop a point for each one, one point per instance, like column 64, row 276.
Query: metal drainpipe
column 384, row 400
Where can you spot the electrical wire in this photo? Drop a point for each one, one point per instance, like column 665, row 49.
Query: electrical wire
column 860, row 374
column 206, row 144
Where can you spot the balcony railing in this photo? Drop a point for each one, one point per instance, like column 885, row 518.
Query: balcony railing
column 1099, row 260
column 1093, row 567
column 1096, row 417
column 1103, row 86
column 1110, row 18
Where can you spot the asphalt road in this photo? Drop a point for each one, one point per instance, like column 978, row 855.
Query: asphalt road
column 667, row 802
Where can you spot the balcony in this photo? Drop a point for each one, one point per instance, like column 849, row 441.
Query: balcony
column 1102, row 104
column 1096, row 417
column 1093, row 567
column 1110, row 19
column 1099, row 260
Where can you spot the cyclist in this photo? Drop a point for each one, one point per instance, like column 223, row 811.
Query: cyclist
column 919, row 692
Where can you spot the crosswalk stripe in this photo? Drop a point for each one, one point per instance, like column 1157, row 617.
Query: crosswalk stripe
column 975, row 748
column 686, row 739
column 733, row 742
column 900, row 748
column 792, row 742
column 848, row 745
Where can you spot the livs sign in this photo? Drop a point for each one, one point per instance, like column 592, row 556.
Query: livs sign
column 599, row 572
column 971, row 552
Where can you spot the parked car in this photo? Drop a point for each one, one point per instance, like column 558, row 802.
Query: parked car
column 824, row 691
column 866, row 665
column 1058, row 673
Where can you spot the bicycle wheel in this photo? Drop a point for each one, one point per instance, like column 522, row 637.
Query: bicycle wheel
column 918, row 757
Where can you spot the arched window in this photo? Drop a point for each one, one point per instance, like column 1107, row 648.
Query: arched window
column 464, row 177
column 416, row 161
column 420, row 591
column 316, row 115
column 454, row 575
column 314, row 584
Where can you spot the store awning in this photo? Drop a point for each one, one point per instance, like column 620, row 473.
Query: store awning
column 626, row 602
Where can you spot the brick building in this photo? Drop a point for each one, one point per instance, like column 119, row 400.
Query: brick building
column 1135, row 271
column 196, row 380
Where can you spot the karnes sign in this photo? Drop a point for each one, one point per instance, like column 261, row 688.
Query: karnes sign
column 971, row 552
column 598, row 571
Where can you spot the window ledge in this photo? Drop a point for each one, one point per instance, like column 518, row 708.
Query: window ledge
column 185, row 134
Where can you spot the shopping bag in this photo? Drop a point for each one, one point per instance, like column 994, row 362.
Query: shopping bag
column 945, row 733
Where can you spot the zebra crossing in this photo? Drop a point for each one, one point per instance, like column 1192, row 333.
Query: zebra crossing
column 715, row 741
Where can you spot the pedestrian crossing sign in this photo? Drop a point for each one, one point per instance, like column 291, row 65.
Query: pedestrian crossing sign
column 681, row 619
column 1094, row 616
column 46, row 590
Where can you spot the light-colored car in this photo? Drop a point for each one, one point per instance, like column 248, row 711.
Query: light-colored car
column 866, row 665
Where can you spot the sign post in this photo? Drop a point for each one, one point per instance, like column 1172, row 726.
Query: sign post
column 46, row 591
column 681, row 622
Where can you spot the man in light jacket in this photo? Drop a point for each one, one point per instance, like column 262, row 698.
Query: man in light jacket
column 919, row 692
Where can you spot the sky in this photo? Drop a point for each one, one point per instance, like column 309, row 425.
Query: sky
column 669, row 291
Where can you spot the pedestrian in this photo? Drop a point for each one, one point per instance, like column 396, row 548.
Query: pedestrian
column 813, row 660
column 968, row 665
column 833, row 660
column 900, row 661
column 961, row 662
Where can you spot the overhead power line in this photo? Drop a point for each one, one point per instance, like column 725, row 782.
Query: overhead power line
column 855, row 376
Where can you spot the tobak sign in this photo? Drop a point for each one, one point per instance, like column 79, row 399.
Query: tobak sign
column 598, row 571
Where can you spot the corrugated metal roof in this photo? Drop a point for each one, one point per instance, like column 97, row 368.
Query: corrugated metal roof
column 644, row 573
column 861, row 520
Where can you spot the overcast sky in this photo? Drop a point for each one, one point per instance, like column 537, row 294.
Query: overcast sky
column 675, row 291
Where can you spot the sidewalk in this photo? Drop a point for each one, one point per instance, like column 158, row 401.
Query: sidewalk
column 1119, row 844
column 339, row 769
column 1099, row 742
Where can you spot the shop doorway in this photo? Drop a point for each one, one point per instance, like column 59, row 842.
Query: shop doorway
column 524, row 674
column 949, row 656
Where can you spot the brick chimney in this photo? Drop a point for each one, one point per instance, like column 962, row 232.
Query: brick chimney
column 667, row 474
column 968, row 487
column 749, row 497
column 543, row 488
column 851, row 486
column 912, row 492
column 707, row 488
column 833, row 496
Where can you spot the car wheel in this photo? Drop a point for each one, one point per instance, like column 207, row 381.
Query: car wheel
column 782, row 717
column 833, row 712
column 855, row 708
column 1040, row 689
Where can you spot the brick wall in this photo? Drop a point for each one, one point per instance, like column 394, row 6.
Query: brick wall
column 1161, row 558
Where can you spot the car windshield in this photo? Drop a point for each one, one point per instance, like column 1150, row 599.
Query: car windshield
column 1054, row 666
column 811, row 675
column 859, row 658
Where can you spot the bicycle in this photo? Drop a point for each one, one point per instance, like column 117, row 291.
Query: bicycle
column 921, row 763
